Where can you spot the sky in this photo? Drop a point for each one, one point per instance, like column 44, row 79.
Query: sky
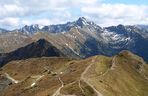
column 17, row 13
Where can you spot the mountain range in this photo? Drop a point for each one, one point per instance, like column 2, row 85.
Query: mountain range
column 81, row 38
column 80, row 23
column 78, row 58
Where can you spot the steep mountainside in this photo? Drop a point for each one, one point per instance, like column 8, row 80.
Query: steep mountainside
column 10, row 41
column 85, row 42
column 131, row 38
column 124, row 74
column 35, row 49
column 83, row 38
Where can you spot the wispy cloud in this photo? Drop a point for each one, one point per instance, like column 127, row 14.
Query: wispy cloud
column 15, row 13
column 10, row 22
column 109, row 14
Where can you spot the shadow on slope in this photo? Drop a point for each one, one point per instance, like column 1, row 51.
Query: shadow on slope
column 35, row 49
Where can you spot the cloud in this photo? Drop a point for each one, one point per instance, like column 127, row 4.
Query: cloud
column 12, row 10
column 20, row 12
column 43, row 21
column 81, row 3
column 35, row 7
column 10, row 22
column 110, row 14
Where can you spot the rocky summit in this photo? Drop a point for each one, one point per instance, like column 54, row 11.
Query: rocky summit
column 81, row 38
column 124, row 74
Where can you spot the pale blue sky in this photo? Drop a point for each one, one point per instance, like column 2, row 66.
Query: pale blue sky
column 144, row 2
column 17, row 13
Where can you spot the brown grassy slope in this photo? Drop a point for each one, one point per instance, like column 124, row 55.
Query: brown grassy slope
column 50, row 67
column 12, row 41
column 122, row 75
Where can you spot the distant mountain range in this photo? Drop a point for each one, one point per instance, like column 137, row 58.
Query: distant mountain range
column 143, row 26
column 80, row 23
column 3, row 30
column 80, row 38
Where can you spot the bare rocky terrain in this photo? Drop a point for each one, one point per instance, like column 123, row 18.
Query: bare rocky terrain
column 81, row 38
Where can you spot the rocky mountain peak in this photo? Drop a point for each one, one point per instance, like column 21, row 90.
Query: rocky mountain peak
column 82, row 22
column 30, row 29
column 82, row 19
column 120, row 26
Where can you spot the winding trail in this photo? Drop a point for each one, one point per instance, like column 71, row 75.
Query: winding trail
column 112, row 67
column 57, row 93
column 113, row 63
column 86, row 80
column 81, row 87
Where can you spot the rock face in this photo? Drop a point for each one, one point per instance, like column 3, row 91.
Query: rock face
column 124, row 74
column 59, row 28
column 35, row 49
column 29, row 29
column 130, row 38
column 81, row 38
column 86, row 41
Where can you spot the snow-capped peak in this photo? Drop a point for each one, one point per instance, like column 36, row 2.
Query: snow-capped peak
column 82, row 19
column 30, row 29
column 82, row 22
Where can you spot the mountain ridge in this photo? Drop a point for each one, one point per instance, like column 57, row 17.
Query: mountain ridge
column 123, row 74
column 84, row 38
column 55, row 28
column 80, row 22
column 39, row 48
